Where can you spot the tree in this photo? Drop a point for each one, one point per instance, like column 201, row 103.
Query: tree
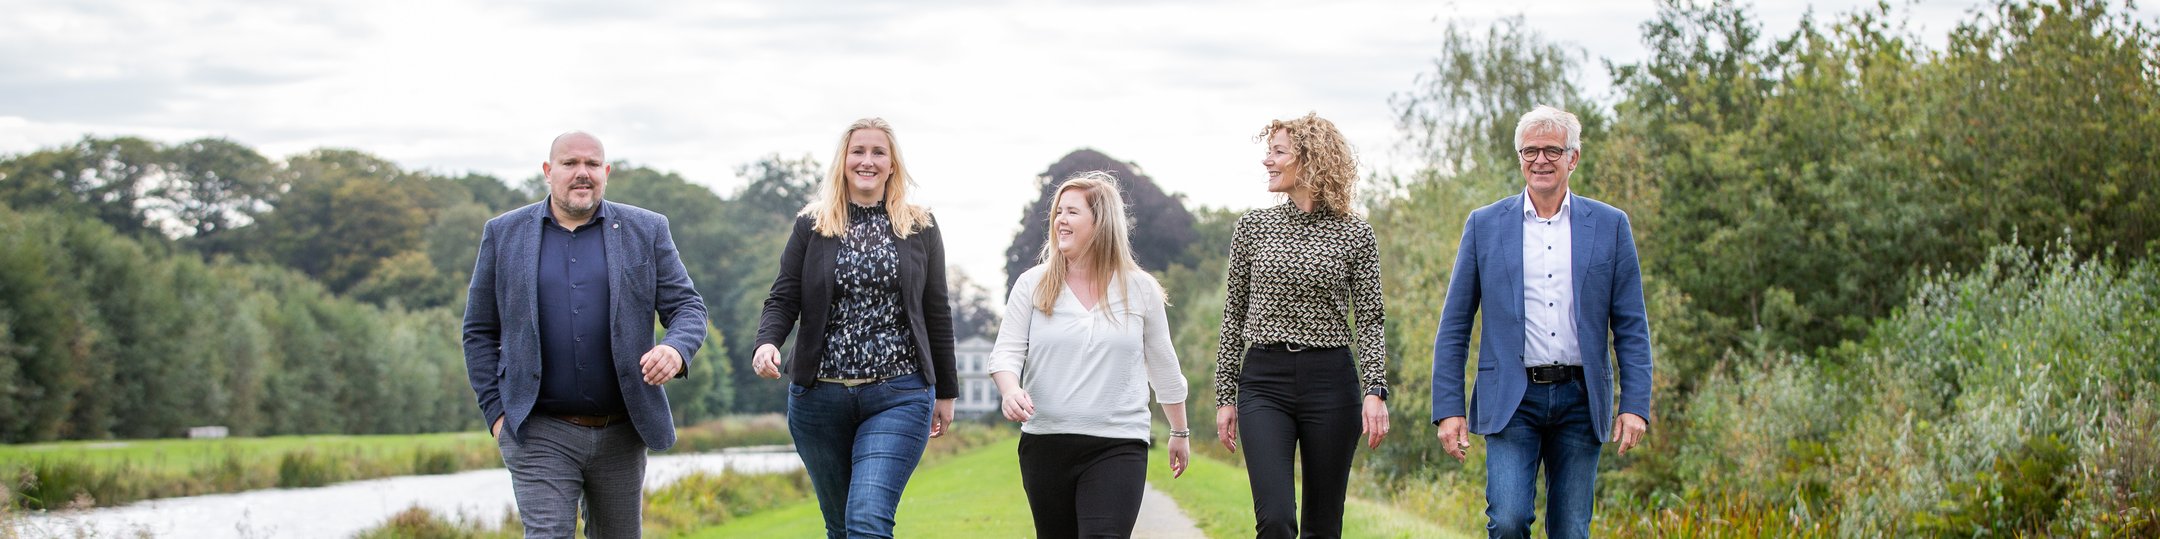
column 973, row 315
column 214, row 184
column 101, row 178
column 1168, row 226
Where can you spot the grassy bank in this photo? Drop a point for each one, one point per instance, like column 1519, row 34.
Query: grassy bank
column 106, row 473
column 975, row 493
column 756, row 505
column 1218, row 497
column 92, row 474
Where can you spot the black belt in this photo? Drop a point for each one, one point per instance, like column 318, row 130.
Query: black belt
column 1292, row 347
column 591, row 421
column 1553, row 374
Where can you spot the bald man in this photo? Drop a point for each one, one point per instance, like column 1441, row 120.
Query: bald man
column 559, row 345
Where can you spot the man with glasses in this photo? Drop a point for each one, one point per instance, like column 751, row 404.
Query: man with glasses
column 1562, row 276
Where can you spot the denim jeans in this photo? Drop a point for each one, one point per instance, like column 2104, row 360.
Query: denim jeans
column 1551, row 428
column 860, row 445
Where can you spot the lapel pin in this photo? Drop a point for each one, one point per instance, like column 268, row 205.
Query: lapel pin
column 618, row 225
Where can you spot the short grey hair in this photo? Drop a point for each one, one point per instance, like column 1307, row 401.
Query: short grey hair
column 1548, row 118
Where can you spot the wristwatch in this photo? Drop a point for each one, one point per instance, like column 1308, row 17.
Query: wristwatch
column 1381, row 392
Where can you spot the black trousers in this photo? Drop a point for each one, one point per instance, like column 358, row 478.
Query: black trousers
column 1083, row 486
column 1299, row 404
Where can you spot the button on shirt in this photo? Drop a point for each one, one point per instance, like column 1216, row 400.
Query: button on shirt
column 577, row 366
column 1548, row 287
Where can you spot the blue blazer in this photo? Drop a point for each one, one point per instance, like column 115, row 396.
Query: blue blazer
column 502, row 315
column 1608, row 302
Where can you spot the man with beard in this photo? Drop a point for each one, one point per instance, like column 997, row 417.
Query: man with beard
column 559, row 345
column 1557, row 276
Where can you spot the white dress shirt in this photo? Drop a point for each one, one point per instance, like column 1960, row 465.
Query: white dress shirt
column 1086, row 372
column 1548, row 287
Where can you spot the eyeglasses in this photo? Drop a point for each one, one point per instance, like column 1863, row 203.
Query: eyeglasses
column 1551, row 153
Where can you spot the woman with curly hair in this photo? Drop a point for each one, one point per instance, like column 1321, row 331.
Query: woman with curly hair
column 1304, row 286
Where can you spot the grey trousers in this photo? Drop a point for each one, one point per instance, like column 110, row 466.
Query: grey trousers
column 560, row 465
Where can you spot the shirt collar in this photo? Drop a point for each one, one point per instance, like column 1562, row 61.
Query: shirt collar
column 1529, row 210
column 547, row 212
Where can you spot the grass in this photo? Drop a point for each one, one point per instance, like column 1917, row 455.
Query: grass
column 978, row 494
column 106, row 473
column 973, row 494
column 1218, row 497
column 89, row 474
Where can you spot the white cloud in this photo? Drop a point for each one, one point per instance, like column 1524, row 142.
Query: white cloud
column 984, row 95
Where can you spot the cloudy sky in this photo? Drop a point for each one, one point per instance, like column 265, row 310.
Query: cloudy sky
column 984, row 95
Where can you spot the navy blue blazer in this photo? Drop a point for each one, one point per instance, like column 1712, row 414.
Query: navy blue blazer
column 1608, row 303
column 502, row 315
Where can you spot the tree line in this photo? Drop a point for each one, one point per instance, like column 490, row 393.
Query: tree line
column 153, row 287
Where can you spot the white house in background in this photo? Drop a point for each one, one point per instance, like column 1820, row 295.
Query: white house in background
column 978, row 395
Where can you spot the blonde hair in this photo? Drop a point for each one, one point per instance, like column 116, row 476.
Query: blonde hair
column 830, row 211
column 1109, row 254
column 1325, row 162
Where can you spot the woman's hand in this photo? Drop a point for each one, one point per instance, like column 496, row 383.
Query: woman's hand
column 1226, row 427
column 766, row 361
column 1376, row 424
column 941, row 418
column 1180, row 455
column 1018, row 406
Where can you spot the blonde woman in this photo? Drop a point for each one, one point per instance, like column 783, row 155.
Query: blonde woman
column 1083, row 331
column 1304, row 286
column 864, row 278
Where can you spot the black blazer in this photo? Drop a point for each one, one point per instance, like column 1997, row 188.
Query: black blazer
column 803, row 292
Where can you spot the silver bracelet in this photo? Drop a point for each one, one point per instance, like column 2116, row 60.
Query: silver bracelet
column 1175, row 433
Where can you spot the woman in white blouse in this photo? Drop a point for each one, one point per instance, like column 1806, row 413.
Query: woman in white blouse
column 1084, row 336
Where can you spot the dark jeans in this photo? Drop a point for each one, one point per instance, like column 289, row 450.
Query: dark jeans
column 1293, row 404
column 1551, row 428
column 1083, row 486
column 560, row 465
column 860, row 444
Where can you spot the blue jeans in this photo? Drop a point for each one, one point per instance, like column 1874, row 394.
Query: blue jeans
column 1550, row 428
column 860, row 445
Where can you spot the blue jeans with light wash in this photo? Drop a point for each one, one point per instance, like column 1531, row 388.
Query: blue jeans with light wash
column 860, row 445
column 1552, row 429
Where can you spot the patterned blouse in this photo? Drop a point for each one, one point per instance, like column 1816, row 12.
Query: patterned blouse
column 1297, row 277
column 867, row 336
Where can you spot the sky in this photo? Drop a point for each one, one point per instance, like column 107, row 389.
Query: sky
column 983, row 96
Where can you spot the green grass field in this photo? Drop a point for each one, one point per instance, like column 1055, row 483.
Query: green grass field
column 177, row 455
column 108, row 473
column 977, row 494
column 1218, row 497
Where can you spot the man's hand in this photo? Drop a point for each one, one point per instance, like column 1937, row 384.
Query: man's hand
column 1180, row 455
column 496, row 431
column 941, row 418
column 1376, row 424
column 766, row 361
column 1629, row 430
column 1226, row 427
column 1455, row 437
column 1018, row 406
column 660, row 364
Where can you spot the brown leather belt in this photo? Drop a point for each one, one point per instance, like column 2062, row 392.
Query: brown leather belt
column 591, row 421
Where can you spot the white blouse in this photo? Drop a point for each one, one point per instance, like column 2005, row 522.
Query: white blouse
column 1085, row 371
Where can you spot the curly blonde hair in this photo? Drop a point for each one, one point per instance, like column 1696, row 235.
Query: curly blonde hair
column 1325, row 162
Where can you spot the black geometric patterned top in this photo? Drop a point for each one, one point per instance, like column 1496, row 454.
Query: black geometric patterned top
column 867, row 336
column 1297, row 277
